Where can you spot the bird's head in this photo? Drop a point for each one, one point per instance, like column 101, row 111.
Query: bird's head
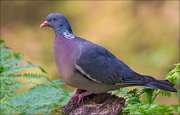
column 58, row 22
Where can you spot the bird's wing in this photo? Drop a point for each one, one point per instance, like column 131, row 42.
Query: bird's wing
column 99, row 65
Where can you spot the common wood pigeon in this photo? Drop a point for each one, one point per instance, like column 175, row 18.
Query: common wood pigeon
column 88, row 66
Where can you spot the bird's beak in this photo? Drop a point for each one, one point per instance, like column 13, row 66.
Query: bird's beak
column 44, row 24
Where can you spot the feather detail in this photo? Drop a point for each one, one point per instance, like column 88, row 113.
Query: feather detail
column 84, row 73
column 68, row 35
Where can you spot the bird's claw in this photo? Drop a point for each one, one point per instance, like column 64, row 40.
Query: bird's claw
column 80, row 96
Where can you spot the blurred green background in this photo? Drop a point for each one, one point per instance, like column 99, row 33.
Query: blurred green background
column 143, row 34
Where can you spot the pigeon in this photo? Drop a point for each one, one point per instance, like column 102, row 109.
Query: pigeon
column 90, row 67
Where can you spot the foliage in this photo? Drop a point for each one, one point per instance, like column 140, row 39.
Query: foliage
column 41, row 98
column 135, row 105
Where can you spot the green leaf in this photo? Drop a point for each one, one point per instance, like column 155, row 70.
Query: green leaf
column 176, row 108
column 4, row 53
column 28, row 76
column 19, row 68
column 121, row 91
column 42, row 70
column 12, row 61
column 165, row 93
column 57, row 82
column 174, row 74
column 17, row 55
column 2, row 42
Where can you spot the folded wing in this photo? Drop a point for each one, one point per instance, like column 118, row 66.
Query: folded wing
column 99, row 65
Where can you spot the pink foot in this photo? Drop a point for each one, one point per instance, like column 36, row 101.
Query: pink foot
column 74, row 96
column 80, row 94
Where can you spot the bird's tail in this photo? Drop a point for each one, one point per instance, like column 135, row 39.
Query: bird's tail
column 159, row 84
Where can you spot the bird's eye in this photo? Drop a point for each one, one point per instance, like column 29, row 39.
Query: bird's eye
column 54, row 19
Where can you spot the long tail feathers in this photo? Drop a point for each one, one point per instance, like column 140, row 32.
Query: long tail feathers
column 159, row 84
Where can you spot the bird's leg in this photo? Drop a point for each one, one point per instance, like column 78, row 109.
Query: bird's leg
column 82, row 95
column 76, row 94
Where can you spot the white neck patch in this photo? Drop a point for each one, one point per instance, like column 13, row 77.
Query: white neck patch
column 68, row 35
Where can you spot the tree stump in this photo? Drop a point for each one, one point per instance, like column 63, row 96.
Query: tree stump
column 95, row 104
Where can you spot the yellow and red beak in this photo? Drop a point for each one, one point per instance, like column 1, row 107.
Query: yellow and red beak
column 44, row 24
